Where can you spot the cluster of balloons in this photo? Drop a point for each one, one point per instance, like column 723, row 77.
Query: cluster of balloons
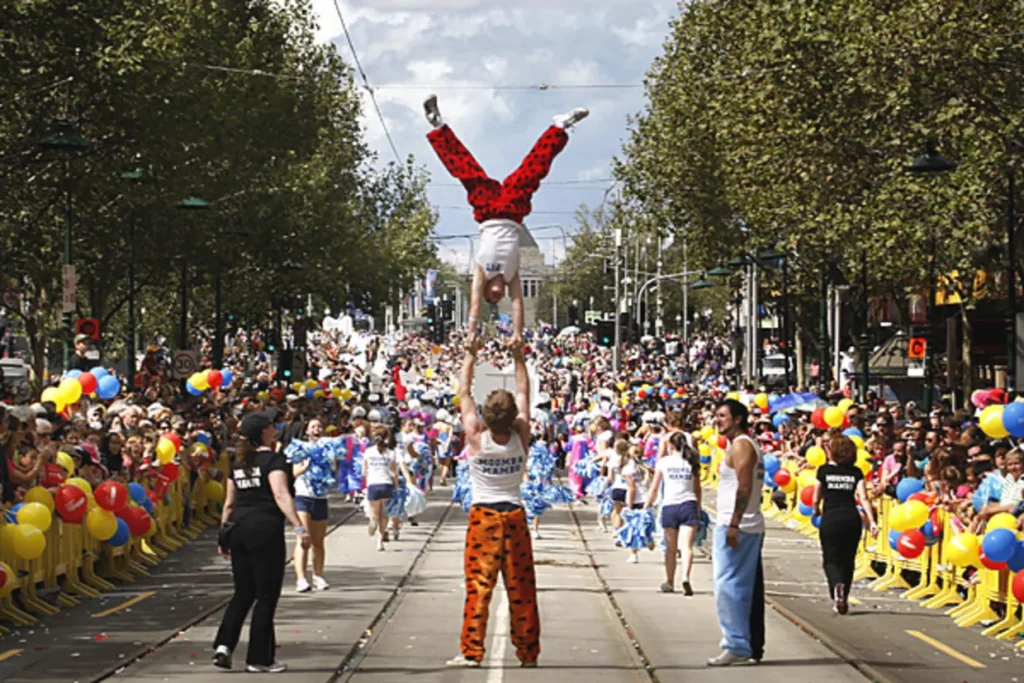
column 167, row 446
column 120, row 513
column 318, row 390
column 97, row 382
column 912, row 529
column 24, row 536
column 708, row 439
column 999, row 421
column 208, row 379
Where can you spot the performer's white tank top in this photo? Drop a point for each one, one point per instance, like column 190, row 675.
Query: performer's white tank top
column 752, row 520
column 499, row 248
column 498, row 471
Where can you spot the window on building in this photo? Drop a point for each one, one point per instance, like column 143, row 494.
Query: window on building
column 530, row 288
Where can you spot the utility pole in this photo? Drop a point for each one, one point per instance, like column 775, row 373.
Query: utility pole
column 616, row 359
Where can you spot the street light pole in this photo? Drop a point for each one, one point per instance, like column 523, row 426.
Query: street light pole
column 616, row 359
column 1011, row 283
column 785, row 320
column 865, row 342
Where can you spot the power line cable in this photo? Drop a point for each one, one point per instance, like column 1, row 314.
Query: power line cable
column 366, row 82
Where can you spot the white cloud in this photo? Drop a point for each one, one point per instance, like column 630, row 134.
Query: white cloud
column 460, row 49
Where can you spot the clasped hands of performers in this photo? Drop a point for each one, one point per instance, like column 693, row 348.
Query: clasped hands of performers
column 474, row 343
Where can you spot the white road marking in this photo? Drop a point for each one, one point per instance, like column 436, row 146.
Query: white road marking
column 499, row 637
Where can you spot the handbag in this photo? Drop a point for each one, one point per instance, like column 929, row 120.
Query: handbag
column 224, row 536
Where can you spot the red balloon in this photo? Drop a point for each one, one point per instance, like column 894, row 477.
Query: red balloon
column 88, row 382
column 138, row 521
column 723, row 442
column 846, row 420
column 911, row 543
column 807, row 496
column 818, row 419
column 926, row 497
column 989, row 564
column 1018, row 586
column 71, row 504
column 111, row 495
column 214, row 378
column 171, row 470
column 153, row 498
column 782, row 477
column 173, row 438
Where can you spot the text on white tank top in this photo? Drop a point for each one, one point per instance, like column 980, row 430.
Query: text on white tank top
column 752, row 520
column 677, row 475
column 378, row 466
column 498, row 252
column 497, row 471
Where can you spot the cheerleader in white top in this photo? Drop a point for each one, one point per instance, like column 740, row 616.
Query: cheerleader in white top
column 679, row 471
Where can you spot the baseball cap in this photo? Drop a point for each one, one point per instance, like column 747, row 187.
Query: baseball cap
column 253, row 424
column 79, row 338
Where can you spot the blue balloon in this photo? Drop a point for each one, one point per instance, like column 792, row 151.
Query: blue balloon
column 122, row 534
column 72, row 374
column 806, row 510
column 1013, row 419
column 12, row 514
column 816, row 521
column 908, row 487
column 203, row 438
column 771, row 465
column 853, row 431
column 137, row 492
column 770, row 483
column 780, row 419
column 309, row 393
column 894, row 539
column 228, row 376
column 99, row 373
column 108, row 387
column 705, row 460
column 192, row 390
column 1016, row 562
column 999, row 545
column 930, row 537
column 148, row 505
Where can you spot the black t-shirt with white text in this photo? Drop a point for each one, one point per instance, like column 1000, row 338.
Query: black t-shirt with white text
column 254, row 502
column 839, row 489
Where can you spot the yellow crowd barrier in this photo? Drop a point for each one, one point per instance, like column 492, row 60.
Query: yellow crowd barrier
column 79, row 566
column 985, row 597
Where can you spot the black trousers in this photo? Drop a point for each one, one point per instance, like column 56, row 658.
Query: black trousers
column 757, row 613
column 840, row 536
column 257, row 565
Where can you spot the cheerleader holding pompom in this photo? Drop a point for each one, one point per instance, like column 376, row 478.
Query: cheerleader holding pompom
column 681, row 515
column 380, row 471
column 637, row 477
column 537, row 489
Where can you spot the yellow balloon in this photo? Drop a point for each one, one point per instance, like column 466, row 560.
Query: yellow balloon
column 962, row 549
column 845, row 404
column 263, row 395
column 857, row 441
column 456, row 401
column 297, row 387
column 102, row 524
column 90, row 502
column 336, row 392
column 67, row 462
column 346, row 394
column 991, row 422
column 199, row 381
column 8, row 580
column 80, row 483
column 733, row 396
column 864, row 466
column 429, row 373
column 704, row 449
column 318, row 394
column 707, row 431
column 761, row 401
column 35, row 514
column 28, row 542
column 621, row 386
column 215, row 491
column 816, row 456
column 70, row 390
column 52, row 395
column 1003, row 520
column 790, row 486
column 806, row 478
column 834, row 416
column 37, row 494
column 7, row 532
column 165, row 450
column 310, row 384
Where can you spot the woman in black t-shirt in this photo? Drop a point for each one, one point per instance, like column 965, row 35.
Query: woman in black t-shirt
column 259, row 499
column 840, row 484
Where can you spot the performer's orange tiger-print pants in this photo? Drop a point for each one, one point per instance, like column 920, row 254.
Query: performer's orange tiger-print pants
column 500, row 542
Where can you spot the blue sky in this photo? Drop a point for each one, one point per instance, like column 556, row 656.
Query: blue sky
column 410, row 48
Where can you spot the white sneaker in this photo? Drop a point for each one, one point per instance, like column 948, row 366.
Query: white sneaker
column 566, row 121
column 601, row 526
column 728, row 659
column 302, row 586
column 380, row 544
column 222, row 657
column 432, row 111
column 319, row 583
column 535, row 534
column 633, row 559
column 371, row 527
column 461, row 661
column 275, row 668
column 395, row 532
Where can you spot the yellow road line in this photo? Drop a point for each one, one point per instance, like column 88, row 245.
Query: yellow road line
column 125, row 605
column 854, row 601
column 9, row 654
column 942, row 647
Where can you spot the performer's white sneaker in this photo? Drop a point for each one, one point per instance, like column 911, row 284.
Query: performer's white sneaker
column 463, row 662
column 433, row 111
column 320, row 583
column 565, row 121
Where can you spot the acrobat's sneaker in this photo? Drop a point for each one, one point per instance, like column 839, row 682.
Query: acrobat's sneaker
column 463, row 662
column 569, row 120
column 432, row 111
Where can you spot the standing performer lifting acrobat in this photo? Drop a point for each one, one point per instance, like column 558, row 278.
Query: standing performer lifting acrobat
column 499, row 208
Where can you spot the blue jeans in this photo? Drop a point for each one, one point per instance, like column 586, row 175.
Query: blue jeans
column 735, row 578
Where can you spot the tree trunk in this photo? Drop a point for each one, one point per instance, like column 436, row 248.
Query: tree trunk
column 966, row 367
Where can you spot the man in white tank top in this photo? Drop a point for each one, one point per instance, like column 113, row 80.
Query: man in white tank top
column 498, row 536
column 739, row 533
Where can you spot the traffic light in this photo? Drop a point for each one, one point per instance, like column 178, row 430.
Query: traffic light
column 609, row 266
column 285, row 365
column 605, row 332
column 431, row 316
column 448, row 310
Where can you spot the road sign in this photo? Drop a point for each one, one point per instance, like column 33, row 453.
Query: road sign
column 915, row 367
column 68, row 287
column 917, row 347
column 185, row 364
column 88, row 326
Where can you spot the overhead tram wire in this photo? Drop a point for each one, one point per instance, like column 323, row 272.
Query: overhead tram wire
column 366, row 82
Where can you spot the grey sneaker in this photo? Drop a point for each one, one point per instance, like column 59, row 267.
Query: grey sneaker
column 667, row 588
column 462, row 662
column 728, row 659
column 432, row 111
column 275, row 668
